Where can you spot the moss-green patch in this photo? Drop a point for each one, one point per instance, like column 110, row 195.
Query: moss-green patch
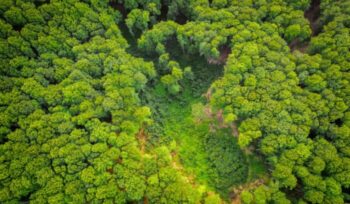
column 257, row 168
column 227, row 159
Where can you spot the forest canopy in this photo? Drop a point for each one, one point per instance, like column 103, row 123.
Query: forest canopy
column 198, row 101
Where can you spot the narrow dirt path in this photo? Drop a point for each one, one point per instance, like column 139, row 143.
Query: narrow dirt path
column 225, row 51
column 142, row 137
column 178, row 166
column 236, row 198
column 313, row 16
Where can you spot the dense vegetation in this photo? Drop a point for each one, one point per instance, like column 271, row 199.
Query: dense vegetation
column 135, row 101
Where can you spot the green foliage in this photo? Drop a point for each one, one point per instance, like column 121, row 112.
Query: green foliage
column 157, row 36
column 227, row 160
column 165, row 184
column 212, row 199
column 247, row 197
column 137, row 19
column 214, row 159
column 71, row 109
column 84, row 120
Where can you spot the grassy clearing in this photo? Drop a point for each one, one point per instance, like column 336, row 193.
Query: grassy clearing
column 213, row 160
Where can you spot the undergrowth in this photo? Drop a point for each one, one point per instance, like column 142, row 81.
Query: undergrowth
column 213, row 158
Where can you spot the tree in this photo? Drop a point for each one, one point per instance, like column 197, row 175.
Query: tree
column 137, row 20
column 14, row 16
column 247, row 197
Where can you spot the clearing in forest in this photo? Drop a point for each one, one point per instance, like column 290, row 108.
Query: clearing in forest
column 212, row 159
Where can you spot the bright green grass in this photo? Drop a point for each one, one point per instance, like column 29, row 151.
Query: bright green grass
column 179, row 126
